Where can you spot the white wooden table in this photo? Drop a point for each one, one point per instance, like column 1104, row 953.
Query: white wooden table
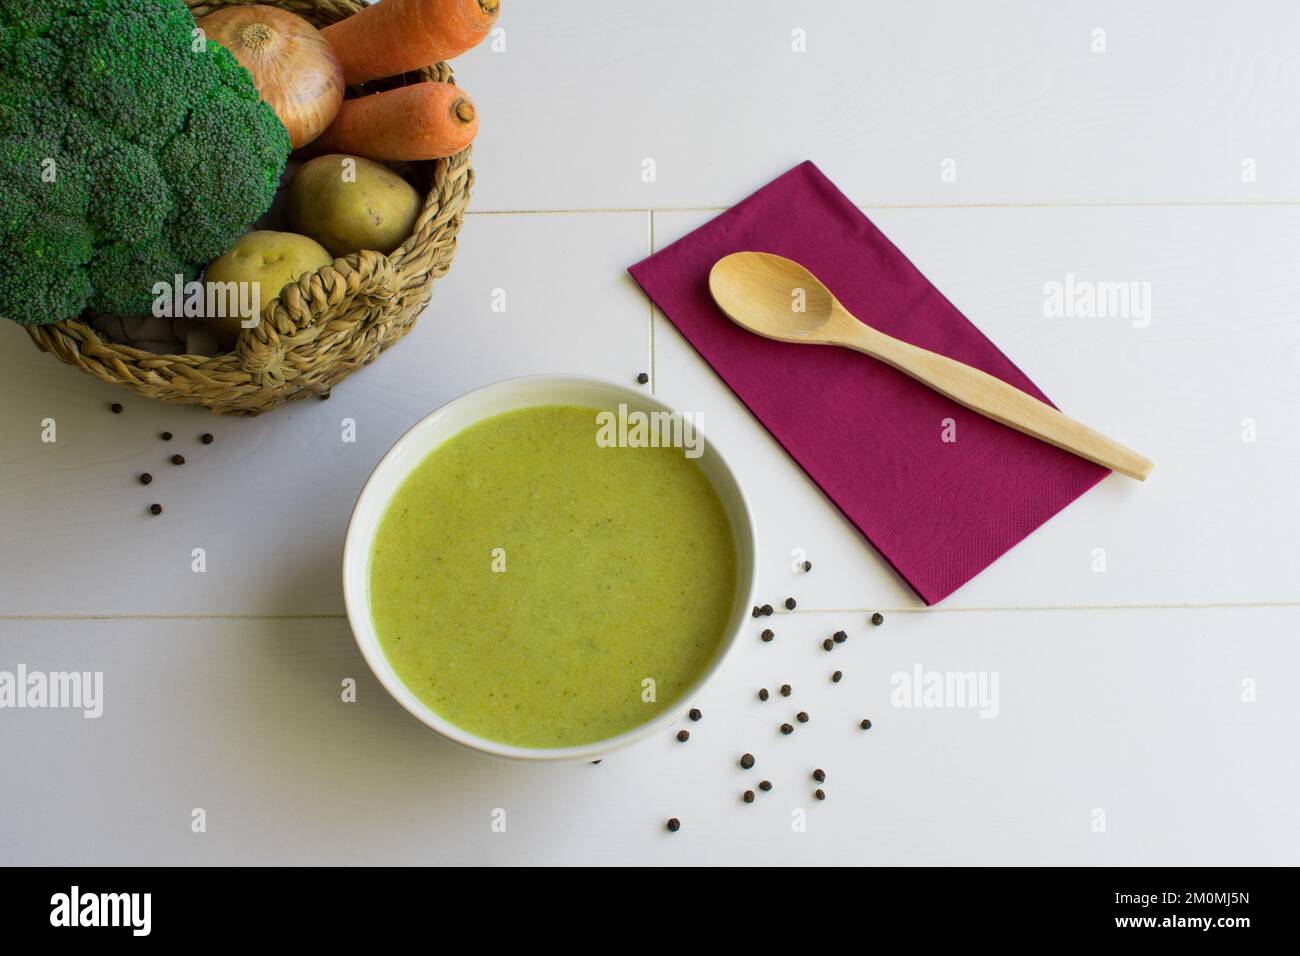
column 1156, row 697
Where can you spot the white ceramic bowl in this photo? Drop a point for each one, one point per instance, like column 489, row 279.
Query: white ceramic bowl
column 457, row 415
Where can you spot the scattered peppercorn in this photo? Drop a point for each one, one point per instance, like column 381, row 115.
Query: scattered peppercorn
column 642, row 378
column 767, row 635
column 155, row 509
column 807, row 566
column 787, row 729
column 785, row 690
column 594, row 762
column 877, row 619
column 178, row 459
column 673, row 823
column 819, row 775
column 819, row 793
column 746, row 761
column 146, row 478
column 839, row 637
column 789, row 604
column 206, row 438
column 866, row 724
column 325, row 397
column 695, row 714
column 835, row 678
column 767, row 610
column 116, row 408
column 762, row 693
column 683, row 735
column 757, row 612
column 828, row 644
column 749, row 796
column 166, row 436
column 802, row 716
column 765, row 785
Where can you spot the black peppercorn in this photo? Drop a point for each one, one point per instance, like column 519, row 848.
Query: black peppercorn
column 837, row 676
column 767, row 610
column 695, row 713
column 206, row 438
column 785, row 690
column 178, row 459
column 802, row 716
column 765, row 785
column 116, row 408
column 749, row 796
column 155, row 509
column 787, row 729
column 146, row 478
column 807, row 566
column 819, row 794
column 877, row 619
column 642, row 378
column 673, row 823
column 767, row 635
column 828, row 644
column 762, row 693
column 839, row 637
column 757, row 612
column 789, row 604
column 746, row 761
column 683, row 735
column 819, row 775
column 866, row 724
column 166, row 436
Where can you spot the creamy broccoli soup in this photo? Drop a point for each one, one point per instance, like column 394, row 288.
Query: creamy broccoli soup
column 526, row 583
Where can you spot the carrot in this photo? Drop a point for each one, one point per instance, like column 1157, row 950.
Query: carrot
column 396, row 36
column 424, row 121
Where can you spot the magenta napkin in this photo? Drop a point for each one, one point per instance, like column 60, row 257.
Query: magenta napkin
column 871, row 438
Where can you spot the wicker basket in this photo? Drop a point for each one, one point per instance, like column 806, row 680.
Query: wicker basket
column 323, row 326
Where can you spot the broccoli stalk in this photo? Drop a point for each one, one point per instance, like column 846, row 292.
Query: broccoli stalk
column 130, row 152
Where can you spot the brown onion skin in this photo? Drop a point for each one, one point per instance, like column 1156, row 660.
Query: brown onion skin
column 294, row 68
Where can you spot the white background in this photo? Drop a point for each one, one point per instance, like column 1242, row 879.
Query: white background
column 1120, row 691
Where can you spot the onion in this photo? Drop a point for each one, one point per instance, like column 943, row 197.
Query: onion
column 293, row 66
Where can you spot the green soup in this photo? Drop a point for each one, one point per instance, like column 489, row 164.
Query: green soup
column 528, row 585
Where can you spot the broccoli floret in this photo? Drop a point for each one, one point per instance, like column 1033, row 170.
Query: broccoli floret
column 53, row 266
column 129, row 153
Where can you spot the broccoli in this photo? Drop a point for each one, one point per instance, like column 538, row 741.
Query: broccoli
column 130, row 153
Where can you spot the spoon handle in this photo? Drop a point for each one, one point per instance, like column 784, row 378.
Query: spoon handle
column 995, row 399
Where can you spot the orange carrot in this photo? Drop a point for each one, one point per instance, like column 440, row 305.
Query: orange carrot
column 424, row 121
column 396, row 36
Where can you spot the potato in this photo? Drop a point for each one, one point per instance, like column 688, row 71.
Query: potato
column 263, row 261
column 348, row 204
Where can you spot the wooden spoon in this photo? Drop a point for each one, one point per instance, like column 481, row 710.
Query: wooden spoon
column 762, row 292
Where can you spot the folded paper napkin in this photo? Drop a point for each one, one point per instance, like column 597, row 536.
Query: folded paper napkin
column 941, row 501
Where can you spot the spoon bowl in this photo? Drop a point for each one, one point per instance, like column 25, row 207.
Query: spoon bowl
column 772, row 296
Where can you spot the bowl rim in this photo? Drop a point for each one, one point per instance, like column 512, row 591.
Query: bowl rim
column 357, row 604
